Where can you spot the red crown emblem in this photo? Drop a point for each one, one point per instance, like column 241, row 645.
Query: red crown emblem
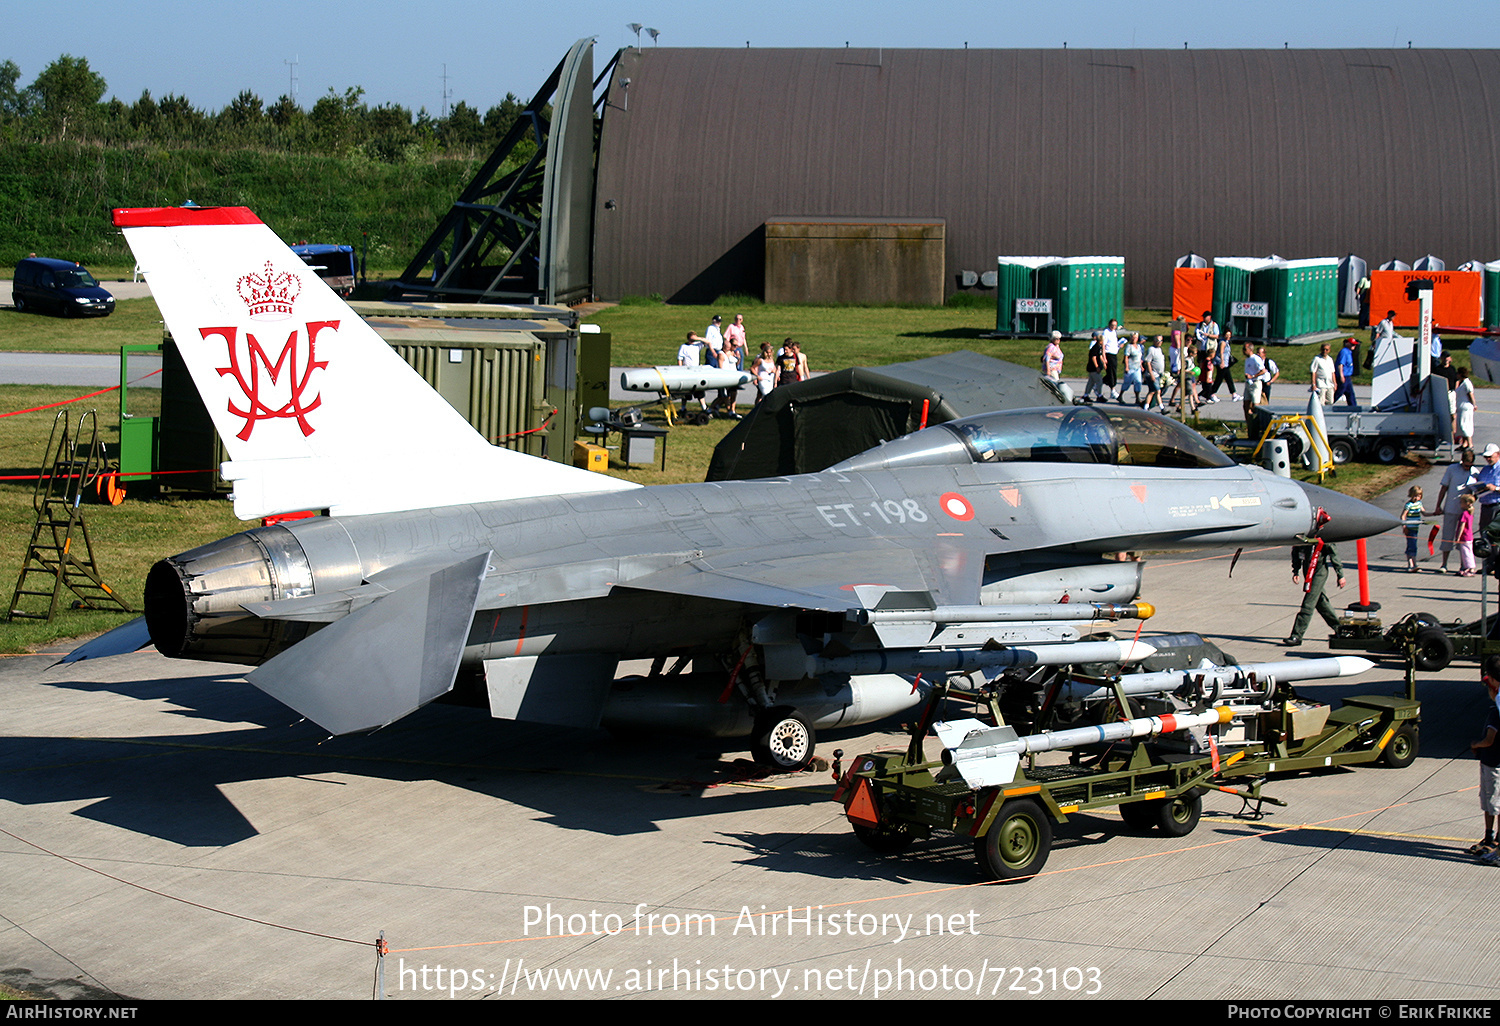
column 269, row 295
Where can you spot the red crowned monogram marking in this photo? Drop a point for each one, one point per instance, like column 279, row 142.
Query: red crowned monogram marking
column 273, row 389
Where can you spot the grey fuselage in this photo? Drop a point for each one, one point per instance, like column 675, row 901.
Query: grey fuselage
column 949, row 514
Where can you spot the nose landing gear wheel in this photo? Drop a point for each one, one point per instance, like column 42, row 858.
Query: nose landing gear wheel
column 783, row 740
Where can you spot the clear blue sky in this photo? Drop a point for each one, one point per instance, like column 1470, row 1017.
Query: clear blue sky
column 211, row 49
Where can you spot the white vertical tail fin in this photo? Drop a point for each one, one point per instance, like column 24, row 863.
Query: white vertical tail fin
column 315, row 409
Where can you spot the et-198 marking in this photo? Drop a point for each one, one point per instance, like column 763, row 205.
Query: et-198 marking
column 889, row 511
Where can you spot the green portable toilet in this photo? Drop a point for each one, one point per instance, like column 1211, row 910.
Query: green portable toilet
column 1491, row 294
column 1086, row 292
column 1232, row 277
column 1016, row 279
column 1302, row 296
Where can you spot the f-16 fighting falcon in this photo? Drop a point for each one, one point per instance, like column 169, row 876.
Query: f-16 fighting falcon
column 445, row 564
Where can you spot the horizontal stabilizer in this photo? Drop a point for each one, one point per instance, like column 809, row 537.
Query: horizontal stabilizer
column 383, row 661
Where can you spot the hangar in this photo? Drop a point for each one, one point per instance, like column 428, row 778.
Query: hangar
column 1145, row 154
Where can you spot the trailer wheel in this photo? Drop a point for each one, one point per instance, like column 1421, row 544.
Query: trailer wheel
column 783, row 740
column 1402, row 750
column 1342, row 451
column 1178, row 817
column 885, row 839
column 1138, row 815
column 1387, row 452
column 1017, row 843
column 1432, row 649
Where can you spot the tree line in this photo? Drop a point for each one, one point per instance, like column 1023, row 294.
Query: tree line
column 66, row 103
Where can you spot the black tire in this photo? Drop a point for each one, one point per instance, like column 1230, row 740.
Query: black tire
column 1432, row 649
column 1401, row 752
column 1387, row 452
column 18, row 303
column 885, row 839
column 1178, row 817
column 1138, row 815
column 783, row 740
column 1342, row 451
column 1017, row 844
column 1426, row 620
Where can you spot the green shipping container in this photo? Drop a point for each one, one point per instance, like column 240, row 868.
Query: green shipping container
column 1086, row 292
column 1016, row 279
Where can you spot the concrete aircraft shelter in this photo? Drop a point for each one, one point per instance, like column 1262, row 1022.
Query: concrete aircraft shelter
column 1143, row 153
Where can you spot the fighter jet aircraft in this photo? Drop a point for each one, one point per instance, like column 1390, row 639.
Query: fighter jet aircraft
column 446, row 564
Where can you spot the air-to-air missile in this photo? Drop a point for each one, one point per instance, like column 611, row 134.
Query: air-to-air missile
column 1254, row 681
column 985, row 755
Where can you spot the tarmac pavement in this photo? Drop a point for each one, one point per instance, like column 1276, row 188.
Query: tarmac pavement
column 170, row 832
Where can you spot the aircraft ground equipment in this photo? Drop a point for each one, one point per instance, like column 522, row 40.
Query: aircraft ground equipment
column 60, row 553
column 895, row 798
column 1422, row 640
column 1308, row 442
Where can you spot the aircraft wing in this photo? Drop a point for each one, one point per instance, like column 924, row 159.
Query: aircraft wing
column 825, row 579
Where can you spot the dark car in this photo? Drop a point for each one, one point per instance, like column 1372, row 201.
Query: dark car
column 60, row 287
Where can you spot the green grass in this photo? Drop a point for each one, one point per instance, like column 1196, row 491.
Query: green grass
column 134, row 320
column 126, row 539
column 646, row 333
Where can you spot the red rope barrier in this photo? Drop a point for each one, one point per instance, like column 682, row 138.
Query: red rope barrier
column 64, row 402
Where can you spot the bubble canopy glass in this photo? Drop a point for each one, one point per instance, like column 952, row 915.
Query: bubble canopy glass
column 1056, row 434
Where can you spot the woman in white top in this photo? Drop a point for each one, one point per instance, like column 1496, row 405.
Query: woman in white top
column 764, row 369
column 1464, row 393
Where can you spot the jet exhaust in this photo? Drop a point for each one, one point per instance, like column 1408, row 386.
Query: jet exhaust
column 194, row 601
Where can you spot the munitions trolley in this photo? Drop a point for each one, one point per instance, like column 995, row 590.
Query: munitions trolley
column 893, row 798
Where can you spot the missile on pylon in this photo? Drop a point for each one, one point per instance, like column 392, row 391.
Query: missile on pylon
column 985, row 756
column 915, row 627
column 1006, row 614
column 965, row 660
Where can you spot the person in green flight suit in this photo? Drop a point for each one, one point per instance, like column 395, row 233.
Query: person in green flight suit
column 1310, row 565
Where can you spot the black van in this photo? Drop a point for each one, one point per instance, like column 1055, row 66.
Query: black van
column 60, row 287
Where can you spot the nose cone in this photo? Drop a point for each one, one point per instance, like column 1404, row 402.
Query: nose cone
column 1351, row 518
